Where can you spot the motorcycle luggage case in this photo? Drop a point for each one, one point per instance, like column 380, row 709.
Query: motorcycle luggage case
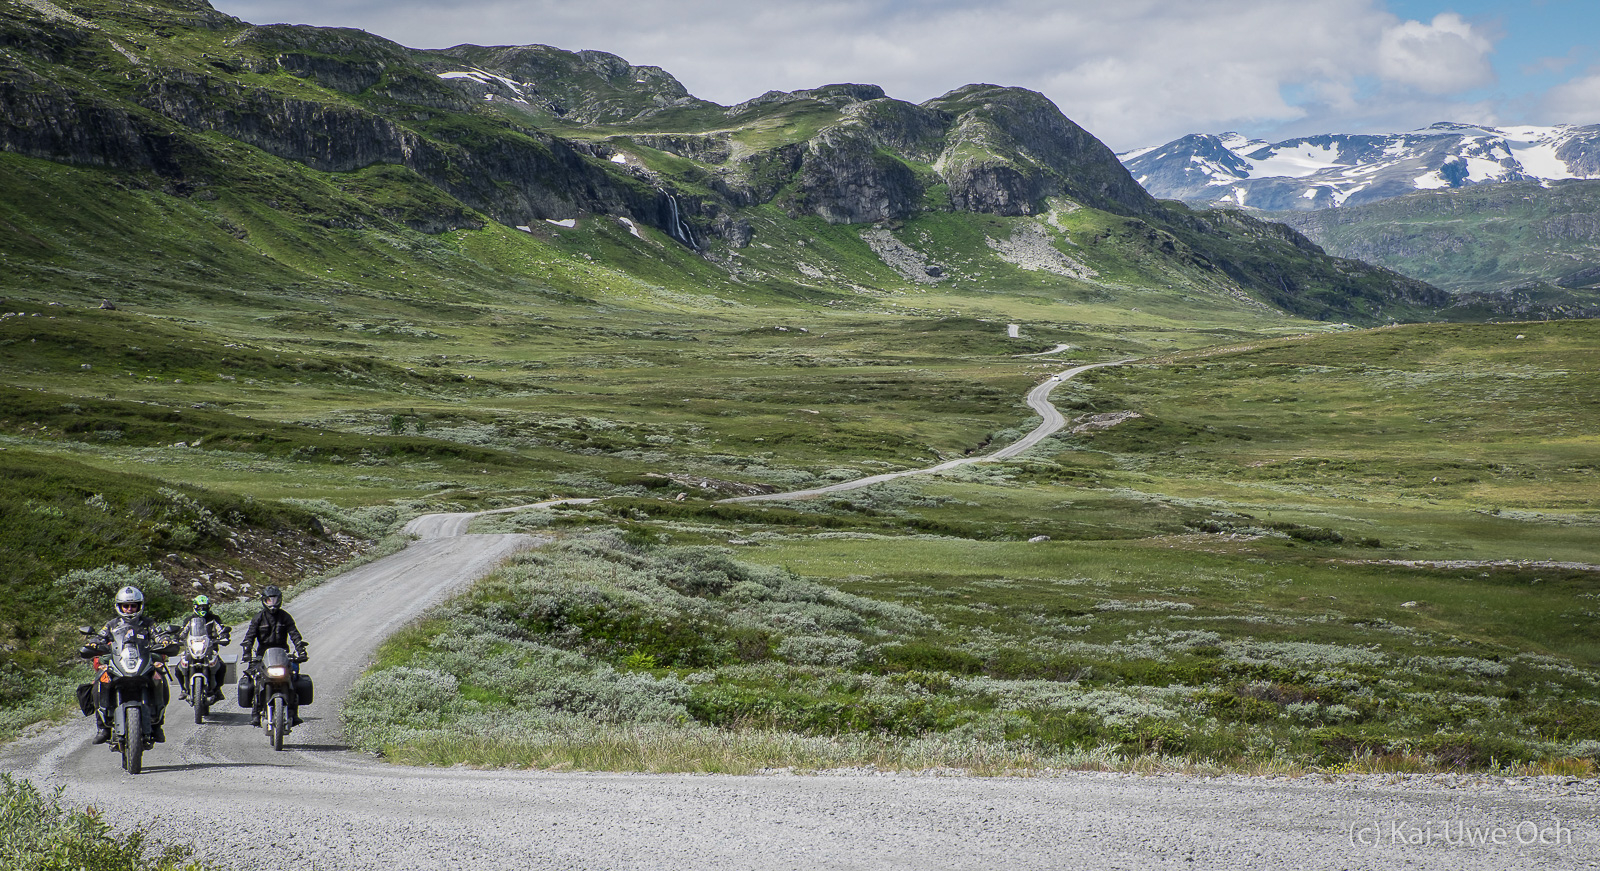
column 247, row 691
column 86, row 698
column 302, row 687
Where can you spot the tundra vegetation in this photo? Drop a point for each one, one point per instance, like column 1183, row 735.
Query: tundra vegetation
column 1380, row 561
column 1302, row 545
column 37, row 833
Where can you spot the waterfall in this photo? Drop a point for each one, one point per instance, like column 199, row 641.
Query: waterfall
column 677, row 226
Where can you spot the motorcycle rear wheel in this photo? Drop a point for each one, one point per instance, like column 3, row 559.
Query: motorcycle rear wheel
column 133, row 741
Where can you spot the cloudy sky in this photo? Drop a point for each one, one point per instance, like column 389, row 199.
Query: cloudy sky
column 1133, row 72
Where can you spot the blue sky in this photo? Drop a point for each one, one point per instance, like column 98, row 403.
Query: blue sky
column 1132, row 72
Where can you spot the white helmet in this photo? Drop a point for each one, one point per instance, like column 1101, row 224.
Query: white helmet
column 130, row 602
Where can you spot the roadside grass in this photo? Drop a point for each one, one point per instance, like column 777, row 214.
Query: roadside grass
column 39, row 833
column 596, row 653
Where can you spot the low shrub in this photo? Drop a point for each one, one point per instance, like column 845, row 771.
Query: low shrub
column 38, row 834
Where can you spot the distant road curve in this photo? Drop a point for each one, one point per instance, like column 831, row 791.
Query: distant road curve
column 451, row 525
column 1038, row 399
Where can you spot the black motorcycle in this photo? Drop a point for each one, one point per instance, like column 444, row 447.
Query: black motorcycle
column 131, row 684
column 266, row 687
column 201, row 667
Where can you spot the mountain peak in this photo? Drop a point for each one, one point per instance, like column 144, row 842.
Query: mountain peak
column 1332, row 170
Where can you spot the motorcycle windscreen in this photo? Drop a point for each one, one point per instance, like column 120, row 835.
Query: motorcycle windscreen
column 275, row 657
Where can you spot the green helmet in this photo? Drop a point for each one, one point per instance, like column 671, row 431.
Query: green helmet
column 202, row 604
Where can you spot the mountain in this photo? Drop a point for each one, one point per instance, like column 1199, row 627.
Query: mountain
column 1514, row 249
column 1321, row 172
column 295, row 153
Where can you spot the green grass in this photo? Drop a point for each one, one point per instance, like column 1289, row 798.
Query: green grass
column 992, row 657
column 1338, row 579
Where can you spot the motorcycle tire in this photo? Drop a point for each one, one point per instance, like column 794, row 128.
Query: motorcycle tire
column 133, row 741
column 198, row 695
column 277, row 722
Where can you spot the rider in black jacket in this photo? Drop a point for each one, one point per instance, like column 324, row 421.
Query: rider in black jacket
column 272, row 627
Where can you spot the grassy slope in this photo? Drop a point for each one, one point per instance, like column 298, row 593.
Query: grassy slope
column 1479, row 238
column 1256, row 574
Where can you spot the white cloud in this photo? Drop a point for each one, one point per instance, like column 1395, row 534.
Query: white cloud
column 1446, row 56
column 1576, row 101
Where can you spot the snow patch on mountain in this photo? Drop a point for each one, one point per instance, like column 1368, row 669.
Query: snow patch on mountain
column 490, row 79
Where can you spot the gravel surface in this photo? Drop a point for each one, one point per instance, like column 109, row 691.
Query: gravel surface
column 318, row 805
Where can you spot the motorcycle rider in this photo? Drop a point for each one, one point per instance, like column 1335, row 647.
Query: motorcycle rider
column 272, row 627
column 219, row 634
column 131, row 617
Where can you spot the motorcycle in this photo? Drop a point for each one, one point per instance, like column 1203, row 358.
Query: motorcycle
column 267, row 686
column 201, row 667
column 130, row 682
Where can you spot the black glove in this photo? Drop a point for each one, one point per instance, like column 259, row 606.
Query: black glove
column 303, row 655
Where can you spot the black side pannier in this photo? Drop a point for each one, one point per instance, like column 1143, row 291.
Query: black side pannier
column 86, row 698
column 247, row 691
column 302, row 688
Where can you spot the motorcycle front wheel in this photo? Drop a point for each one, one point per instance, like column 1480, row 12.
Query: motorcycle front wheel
column 198, row 696
column 277, row 722
column 133, row 741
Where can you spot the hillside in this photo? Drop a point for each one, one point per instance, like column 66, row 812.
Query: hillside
column 250, row 140
column 1518, row 248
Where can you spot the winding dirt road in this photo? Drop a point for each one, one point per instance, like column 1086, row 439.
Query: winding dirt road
column 1038, row 399
column 318, row 805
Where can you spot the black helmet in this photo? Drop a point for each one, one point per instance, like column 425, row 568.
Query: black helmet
column 271, row 598
column 130, row 602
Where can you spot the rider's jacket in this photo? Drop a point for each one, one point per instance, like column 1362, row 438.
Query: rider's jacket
column 270, row 628
column 139, row 622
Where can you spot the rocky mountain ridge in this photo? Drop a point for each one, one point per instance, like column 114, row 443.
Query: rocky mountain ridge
column 524, row 134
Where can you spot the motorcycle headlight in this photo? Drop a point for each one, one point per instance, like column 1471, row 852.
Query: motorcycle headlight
column 130, row 660
column 278, row 671
column 197, row 647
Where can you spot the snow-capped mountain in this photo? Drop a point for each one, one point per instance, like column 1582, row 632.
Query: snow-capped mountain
column 1320, row 172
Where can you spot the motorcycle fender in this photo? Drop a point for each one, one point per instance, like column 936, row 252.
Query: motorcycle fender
column 119, row 725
